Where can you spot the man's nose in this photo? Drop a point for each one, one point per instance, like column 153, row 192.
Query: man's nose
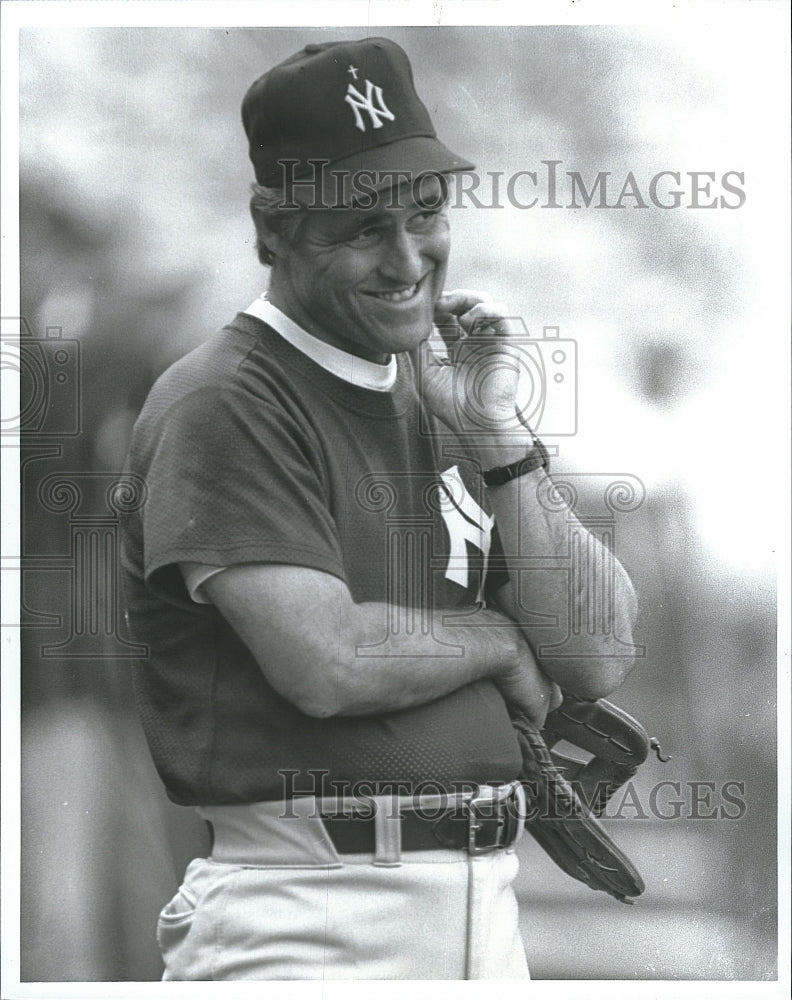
column 403, row 257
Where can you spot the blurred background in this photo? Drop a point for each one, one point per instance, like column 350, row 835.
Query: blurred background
column 136, row 246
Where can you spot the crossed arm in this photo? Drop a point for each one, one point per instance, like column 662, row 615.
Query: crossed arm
column 304, row 629
column 600, row 597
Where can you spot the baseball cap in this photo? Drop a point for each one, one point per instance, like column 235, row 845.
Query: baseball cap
column 351, row 105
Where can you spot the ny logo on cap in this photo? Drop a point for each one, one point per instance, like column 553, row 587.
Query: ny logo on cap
column 359, row 103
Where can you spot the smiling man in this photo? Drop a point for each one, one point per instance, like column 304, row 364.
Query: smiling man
column 321, row 569
column 366, row 280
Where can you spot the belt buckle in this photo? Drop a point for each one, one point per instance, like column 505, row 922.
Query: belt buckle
column 507, row 825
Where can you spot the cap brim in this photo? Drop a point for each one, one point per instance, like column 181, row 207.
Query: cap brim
column 354, row 179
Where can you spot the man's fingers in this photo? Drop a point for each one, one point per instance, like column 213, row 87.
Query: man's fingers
column 487, row 317
column 460, row 300
column 444, row 339
column 449, row 307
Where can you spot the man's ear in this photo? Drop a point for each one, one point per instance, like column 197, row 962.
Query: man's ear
column 267, row 233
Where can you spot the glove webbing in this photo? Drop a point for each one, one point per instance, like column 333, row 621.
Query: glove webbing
column 562, row 823
column 618, row 742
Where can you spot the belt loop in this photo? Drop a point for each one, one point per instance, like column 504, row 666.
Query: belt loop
column 387, row 832
column 518, row 809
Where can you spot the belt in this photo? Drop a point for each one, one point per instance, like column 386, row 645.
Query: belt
column 485, row 821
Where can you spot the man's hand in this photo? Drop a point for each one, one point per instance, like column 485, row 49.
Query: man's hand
column 527, row 690
column 471, row 378
column 471, row 382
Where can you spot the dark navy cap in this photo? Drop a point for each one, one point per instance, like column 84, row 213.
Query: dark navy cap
column 352, row 104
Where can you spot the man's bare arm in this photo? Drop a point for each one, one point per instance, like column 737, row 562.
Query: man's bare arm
column 607, row 613
column 306, row 634
column 480, row 344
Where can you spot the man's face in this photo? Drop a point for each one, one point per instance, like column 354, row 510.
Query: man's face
column 366, row 281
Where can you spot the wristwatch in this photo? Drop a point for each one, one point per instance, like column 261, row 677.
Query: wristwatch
column 537, row 458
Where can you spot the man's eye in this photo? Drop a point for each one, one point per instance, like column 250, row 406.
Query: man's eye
column 364, row 237
column 426, row 218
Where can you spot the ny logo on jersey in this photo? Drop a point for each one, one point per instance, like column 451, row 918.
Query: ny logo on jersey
column 359, row 103
column 465, row 522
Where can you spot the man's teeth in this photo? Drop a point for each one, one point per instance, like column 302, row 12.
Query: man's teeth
column 401, row 296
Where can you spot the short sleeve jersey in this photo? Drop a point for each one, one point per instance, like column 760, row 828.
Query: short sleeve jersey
column 253, row 453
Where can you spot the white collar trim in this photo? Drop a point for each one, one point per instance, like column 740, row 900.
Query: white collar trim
column 350, row 368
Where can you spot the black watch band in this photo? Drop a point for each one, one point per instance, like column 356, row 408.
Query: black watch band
column 537, row 458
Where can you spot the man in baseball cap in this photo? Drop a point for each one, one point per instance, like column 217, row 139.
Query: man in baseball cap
column 341, row 118
column 319, row 569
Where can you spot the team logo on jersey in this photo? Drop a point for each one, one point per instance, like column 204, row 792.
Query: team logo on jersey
column 373, row 104
column 465, row 522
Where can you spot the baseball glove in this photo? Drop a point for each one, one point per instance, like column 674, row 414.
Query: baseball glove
column 566, row 795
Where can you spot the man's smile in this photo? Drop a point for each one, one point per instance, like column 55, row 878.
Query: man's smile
column 396, row 295
column 400, row 296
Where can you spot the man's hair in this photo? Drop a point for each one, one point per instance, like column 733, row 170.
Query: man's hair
column 269, row 214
